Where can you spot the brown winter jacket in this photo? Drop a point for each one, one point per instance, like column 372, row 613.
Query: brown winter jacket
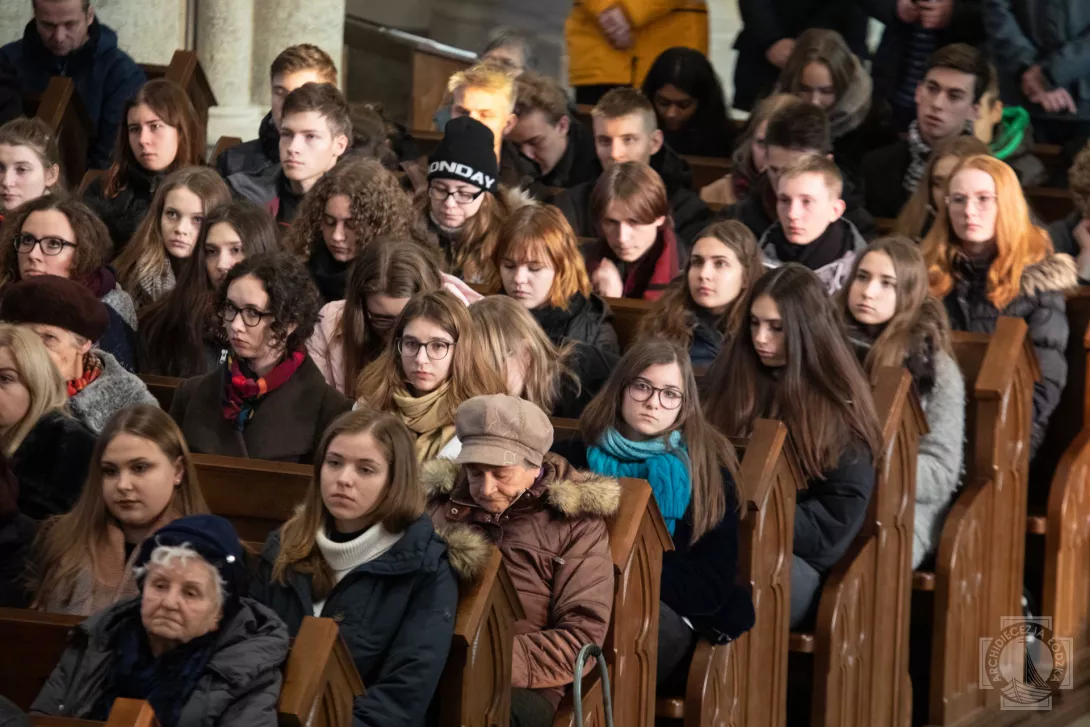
column 555, row 545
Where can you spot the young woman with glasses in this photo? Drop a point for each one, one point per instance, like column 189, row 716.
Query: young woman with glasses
column 268, row 400
column 430, row 365
column 987, row 259
column 56, row 235
column 647, row 423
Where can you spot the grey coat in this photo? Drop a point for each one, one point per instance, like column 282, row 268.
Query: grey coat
column 240, row 684
column 938, row 466
column 113, row 390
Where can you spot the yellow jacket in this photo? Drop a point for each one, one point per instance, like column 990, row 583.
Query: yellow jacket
column 656, row 24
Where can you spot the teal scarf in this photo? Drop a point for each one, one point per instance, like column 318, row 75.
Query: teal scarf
column 663, row 462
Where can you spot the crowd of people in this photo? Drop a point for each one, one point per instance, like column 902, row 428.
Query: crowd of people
column 408, row 326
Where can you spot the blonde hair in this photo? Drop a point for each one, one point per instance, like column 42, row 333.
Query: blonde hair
column 486, row 76
column 542, row 233
column 506, row 329
column 817, row 164
column 39, row 375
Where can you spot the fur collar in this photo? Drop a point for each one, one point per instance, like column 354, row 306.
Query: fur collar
column 572, row 493
column 1056, row 273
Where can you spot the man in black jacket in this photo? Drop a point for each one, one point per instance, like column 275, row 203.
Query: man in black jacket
column 626, row 130
column 551, row 136
column 294, row 67
column 947, row 104
column 793, row 132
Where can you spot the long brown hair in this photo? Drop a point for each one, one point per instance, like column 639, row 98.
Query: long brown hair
column 542, row 233
column 820, row 392
column 471, row 374
column 916, row 315
column 1018, row 242
column 171, row 103
column 851, row 83
column 401, row 503
column 709, row 451
column 93, row 245
column 476, row 241
column 146, row 256
column 674, row 315
column 387, row 266
column 67, row 542
column 918, row 210
column 505, row 329
column 378, row 206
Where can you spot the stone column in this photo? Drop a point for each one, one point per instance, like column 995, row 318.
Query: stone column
column 148, row 30
column 225, row 45
column 13, row 19
column 282, row 23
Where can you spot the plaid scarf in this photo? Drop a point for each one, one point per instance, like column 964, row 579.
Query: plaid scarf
column 92, row 369
column 920, row 153
column 244, row 392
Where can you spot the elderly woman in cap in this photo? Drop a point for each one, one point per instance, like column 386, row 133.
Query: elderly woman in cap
column 70, row 320
column 548, row 520
column 190, row 644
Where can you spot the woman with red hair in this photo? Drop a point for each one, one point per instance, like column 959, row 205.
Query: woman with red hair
column 987, row 259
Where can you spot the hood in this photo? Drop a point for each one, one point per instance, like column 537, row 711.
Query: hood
column 252, row 642
column 1056, row 273
column 270, row 138
column 515, row 198
column 1013, row 134
column 101, row 40
column 852, row 108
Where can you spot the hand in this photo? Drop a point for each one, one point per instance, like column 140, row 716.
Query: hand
column 1057, row 101
column 606, row 280
column 778, row 52
column 1034, row 83
column 614, row 24
column 908, row 11
column 936, row 14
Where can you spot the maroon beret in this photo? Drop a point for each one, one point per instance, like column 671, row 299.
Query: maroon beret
column 55, row 301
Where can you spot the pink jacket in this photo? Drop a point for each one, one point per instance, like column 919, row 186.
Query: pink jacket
column 328, row 354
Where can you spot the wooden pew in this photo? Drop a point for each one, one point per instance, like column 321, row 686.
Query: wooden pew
column 858, row 651
column 185, row 70
column 627, row 314
column 707, row 170
column 884, row 225
column 745, row 682
column 977, row 578
column 89, row 176
column 123, row 713
column 162, row 388
column 255, row 495
column 1050, row 204
column 223, row 144
column 426, row 141
column 63, row 112
column 319, row 675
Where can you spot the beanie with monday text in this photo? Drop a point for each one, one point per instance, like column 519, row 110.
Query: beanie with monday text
column 466, row 154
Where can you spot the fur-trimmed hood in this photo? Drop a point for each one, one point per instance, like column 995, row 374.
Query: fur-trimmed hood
column 1056, row 273
column 572, row 494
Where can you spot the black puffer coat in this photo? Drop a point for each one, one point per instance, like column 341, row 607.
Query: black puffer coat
column 1040, row 304
column 123, row 213
column 587, row 319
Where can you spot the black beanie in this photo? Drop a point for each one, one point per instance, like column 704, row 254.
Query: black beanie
column 55, row 301
column 215, row 540
column 466, row 154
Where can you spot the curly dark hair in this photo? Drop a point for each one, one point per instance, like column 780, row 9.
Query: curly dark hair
column 293, row 297
column 93, row 245
column 379, row 206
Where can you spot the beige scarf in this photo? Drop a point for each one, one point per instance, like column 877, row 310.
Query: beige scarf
column 427, row 416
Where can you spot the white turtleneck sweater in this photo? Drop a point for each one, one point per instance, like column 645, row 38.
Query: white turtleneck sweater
column 343, row 558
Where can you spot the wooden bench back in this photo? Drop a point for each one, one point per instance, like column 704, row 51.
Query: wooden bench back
column 185, row 70
column 162, row 388
column 63, row 112
column 255, row 495
column 223, row 144
column 627, row 314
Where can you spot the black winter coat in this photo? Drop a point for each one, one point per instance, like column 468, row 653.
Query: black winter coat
column 580, row 160
column 1041, row 305
column 706, row 343
column 51, row 465
column 123, row 213
column 254, row 155
column 589, row 320
column 105, row 78
column 883, row 179
column 16, row 534
column 830, row 511
column 396, row 614
column 591, row 366
column 11, row 101
column 699, row 580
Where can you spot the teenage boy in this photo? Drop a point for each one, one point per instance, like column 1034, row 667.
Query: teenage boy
column 1007, row 132
column 811, row 229
column 486, row 92
column 315, row 128
column 799, row 129
column 947, row 105
column 549, row 135
column 626, row 130
column 294, row 67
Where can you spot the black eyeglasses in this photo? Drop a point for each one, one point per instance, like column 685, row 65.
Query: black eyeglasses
column 436, row 349
column 250, row 316
column 51, row 246
column 460, row 195
column 670, row 398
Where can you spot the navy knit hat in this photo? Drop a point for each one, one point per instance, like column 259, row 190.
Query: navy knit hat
column 215, row 540
column 466, row 154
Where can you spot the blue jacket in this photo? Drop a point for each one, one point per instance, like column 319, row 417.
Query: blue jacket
column 104, row 75
column 396, row 615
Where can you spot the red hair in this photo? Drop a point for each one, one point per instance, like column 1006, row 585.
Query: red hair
column 1018, row 242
